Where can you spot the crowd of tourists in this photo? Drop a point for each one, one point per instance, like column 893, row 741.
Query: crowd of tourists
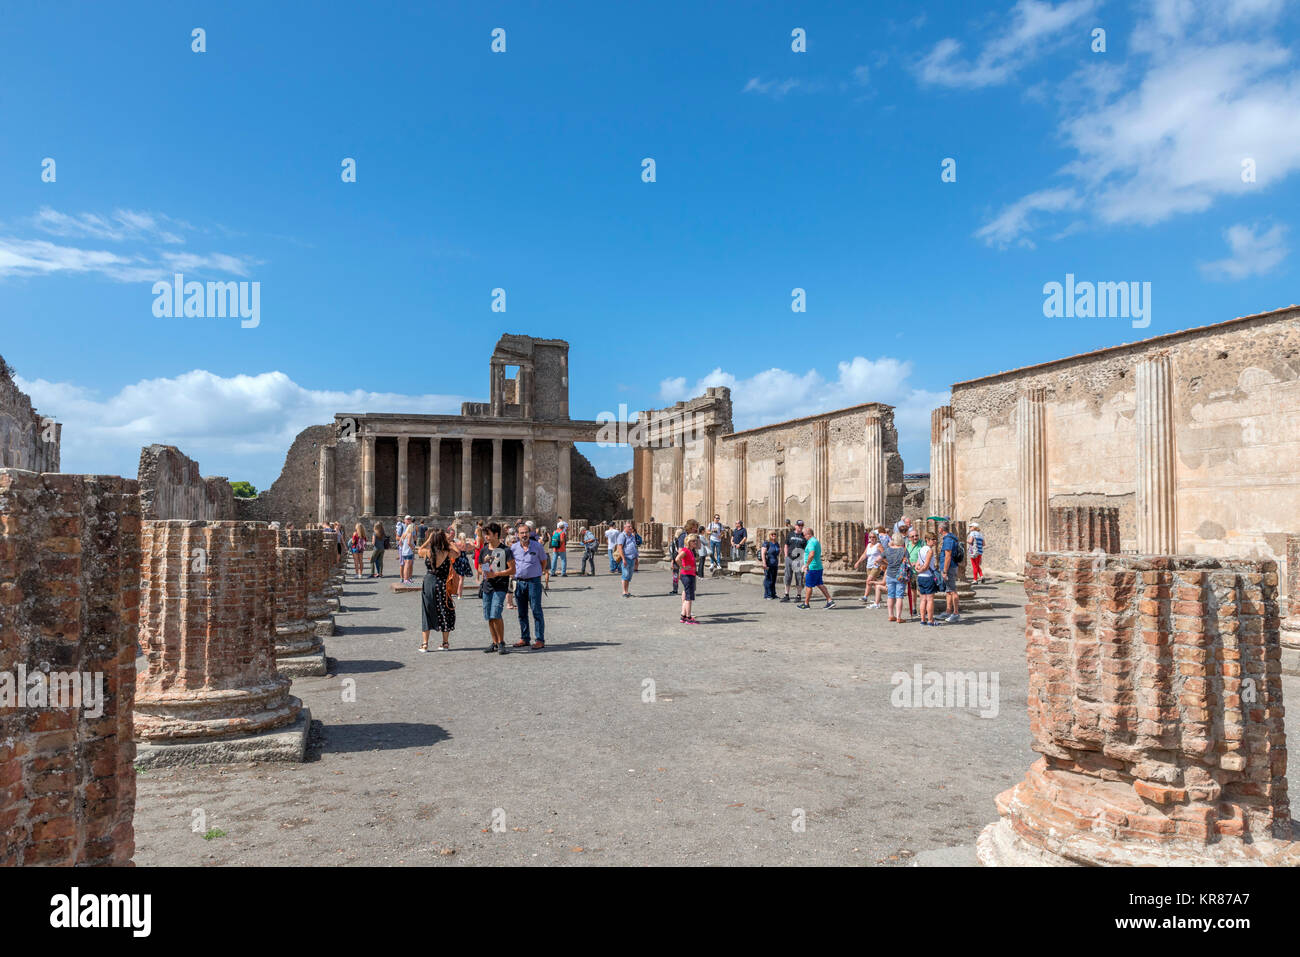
column 511, row 567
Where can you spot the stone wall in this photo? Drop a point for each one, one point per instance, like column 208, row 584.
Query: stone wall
column 1235, row 402
column 69, row 597
column 1084, row 528
column 1155, row 698
column 295, row 495
column 27, row 440
column 171, row 487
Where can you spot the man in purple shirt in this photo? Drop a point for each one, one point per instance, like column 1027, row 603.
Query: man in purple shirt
column 530, row 562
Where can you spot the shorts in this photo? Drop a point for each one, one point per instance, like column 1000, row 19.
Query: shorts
column 952, row 577
column 897, row 589
column 688, row 587
column 626, row 567
column 494, row 603
column 812, row 578
column 926, row 584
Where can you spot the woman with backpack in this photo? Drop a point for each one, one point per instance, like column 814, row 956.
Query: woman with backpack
column 356, row 546
column 377, row 556
column 897, row 574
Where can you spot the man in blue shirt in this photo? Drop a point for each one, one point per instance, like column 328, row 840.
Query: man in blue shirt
column 530, row 562
column 626, row 541
column 950, row 569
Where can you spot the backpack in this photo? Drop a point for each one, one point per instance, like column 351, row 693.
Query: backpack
column 555, row 540
column 958, row 552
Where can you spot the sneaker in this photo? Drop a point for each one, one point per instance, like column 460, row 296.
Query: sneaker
column 874, row 604
column 802, row 604
column 502, row 650
column 785, row 599
column 490, row 650
column 692, row 620
column 683, row 619
column 864, row 599
column 829, row 604
column 953, row 619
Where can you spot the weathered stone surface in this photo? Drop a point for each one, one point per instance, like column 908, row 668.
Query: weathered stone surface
column 69, row 601
column 172, row 488
column 207, row 626
column 1084, row 528
column 27, row 440
column 1155, row 698
column 1291, row 623
column 298, row 649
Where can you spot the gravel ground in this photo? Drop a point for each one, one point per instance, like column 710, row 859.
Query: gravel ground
column 764, row 715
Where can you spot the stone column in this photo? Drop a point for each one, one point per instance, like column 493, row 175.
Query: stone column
column 298, row 651
column 1157, row 517
column 1031, row 449
column 496, row 478
column 776, row 501
column 648, row 477
column 325, row 496
column 563, row 490
column 943, row 476
column 403, row 480
column 467, row 474
column 875, row 485
column 211, row 692
column 740, row 451
column 435, row 475
column 679, row 480
column 495, row 387
column 368, row 475
column 820, row 506
column 1155, row 700
column 1291, row 623
column 710, row 453
column 637, row 492
column 69, row 600
column 525, row 387
column 529, row 497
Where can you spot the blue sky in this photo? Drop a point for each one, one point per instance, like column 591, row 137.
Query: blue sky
column 522, row 170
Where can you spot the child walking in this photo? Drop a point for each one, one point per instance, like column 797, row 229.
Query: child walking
column 687, row 563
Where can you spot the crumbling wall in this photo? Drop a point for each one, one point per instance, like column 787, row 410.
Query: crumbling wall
column 27, row 440
column 172, row 488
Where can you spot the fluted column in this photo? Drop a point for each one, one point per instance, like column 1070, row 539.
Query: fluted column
column 435, row 476
column 403, row 480
column 496, row 478
column 467, row 474
column 820, row 506
column 740, row 451
column 367, row 475
column 875, row 479
column 1031, row 447
column 678, row 479
column 325, row 498
column 563, row 496
column 495, row 387
column 775, row 501
column 1157, row 490
column 529, row 486
column 524, row 386
column 710, row 454
column 637, row 492
column 943, row 477
column 648, row 479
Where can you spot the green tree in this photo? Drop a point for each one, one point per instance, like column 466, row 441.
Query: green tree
column 244, row 489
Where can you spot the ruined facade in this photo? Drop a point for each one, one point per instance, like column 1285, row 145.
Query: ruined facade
column 1190, row 436
column 27, row 440
column 172, row 488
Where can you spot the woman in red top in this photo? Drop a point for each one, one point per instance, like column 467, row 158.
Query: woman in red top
column 686, row 564
column 356, row 546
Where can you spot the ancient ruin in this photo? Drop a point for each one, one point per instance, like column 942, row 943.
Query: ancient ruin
column 28, row 440
column 211, row 691
column 69, row 594
column 299, row 651
column 1155, row 699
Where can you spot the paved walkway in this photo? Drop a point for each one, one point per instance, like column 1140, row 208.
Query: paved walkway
column 762, row 714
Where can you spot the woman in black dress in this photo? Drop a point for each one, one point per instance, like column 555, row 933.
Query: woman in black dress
column 437, row 613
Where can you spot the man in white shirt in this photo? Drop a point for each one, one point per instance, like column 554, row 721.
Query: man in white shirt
column 611, row 539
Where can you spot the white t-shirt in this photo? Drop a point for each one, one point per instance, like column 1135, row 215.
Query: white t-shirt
column 923, row 561
column 715, row 532
column 873, row 553
column 611, row 536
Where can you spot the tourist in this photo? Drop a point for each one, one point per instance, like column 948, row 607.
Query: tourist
column 496, row 566
column 510, row 591
column 678, row 544
column 952, row 557
column 377, row 556
column 896, row 575
column 406, row 545
column 687, row 560
column 560, row 544
column 715, row 541
column 771, row 565
column 872, row 552
column 437, row 612
column 813, row 574
column 975, row 548
column 927, row 577
column 589, row 544
column 793, row 551
column 628, row 559
column 530, row 561
column 611, row 537
column 398, row 528
column 739, row 541
column 914, row 546
column 338, row 538
column 357, row 545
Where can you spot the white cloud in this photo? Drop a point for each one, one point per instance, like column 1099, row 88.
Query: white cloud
column 1252, row 252
column 240, row 426
column 774, row 88
column 1014, row 221
column 1035, row 28
column 775, row 395
column 1168, row 134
